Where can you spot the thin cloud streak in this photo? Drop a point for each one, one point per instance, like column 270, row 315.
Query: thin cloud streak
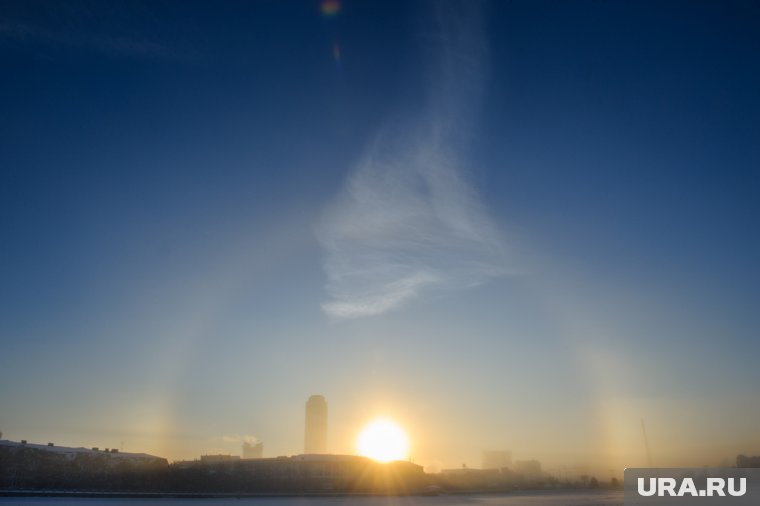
column 111, row 45
column 409, row 221
column 116, row 29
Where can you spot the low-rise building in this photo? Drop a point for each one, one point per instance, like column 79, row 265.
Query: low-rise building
column 307, row 473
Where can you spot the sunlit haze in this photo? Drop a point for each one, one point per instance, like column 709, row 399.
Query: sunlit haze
column 383, row 440
column 524, row 227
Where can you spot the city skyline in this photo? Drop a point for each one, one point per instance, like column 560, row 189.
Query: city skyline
column 518, row 226
column 372, row 442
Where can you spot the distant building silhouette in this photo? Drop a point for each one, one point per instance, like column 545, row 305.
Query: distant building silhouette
column 25, row 465
column 497, row 459
column 215, row 459
column 253, row 451
column 744, row 461
column 528, row 468
column 72, row 454
column 302, row 474
column 315, row 440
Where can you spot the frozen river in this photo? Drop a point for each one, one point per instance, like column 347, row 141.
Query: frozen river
column 584, row 498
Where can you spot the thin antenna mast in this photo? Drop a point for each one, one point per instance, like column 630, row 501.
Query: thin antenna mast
column 646, row 443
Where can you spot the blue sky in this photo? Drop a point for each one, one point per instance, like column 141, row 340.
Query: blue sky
column 522, row 225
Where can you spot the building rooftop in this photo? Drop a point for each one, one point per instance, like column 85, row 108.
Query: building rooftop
column 49, row 447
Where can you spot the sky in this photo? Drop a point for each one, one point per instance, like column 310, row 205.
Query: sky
column 523, row 226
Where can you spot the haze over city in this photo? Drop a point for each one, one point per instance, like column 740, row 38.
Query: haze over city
column 522, row 226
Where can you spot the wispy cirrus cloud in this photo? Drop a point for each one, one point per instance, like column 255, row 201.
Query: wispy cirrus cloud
column 409, row 221
column 114, row 29
column 116, row 45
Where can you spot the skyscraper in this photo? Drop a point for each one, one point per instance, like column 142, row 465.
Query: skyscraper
column 315, row 440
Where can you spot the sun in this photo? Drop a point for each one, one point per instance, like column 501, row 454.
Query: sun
column 383, row 440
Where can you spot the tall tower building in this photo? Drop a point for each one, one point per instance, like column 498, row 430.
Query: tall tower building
column 315, row 440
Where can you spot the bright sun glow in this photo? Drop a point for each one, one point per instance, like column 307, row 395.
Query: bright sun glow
column 383, row 440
